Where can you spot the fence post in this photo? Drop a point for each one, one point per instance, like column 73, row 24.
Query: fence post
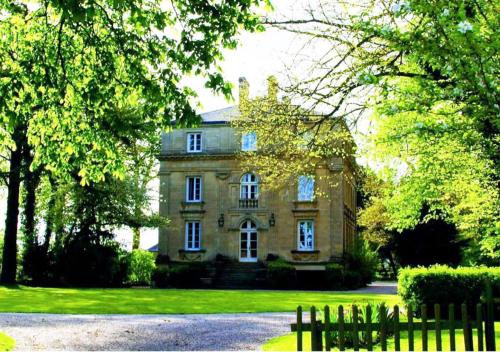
column 369, row 341
column 437, row 318
column 328, row 334
column 425, row 342
column 411, row 344
column 489, row 328
column 355, row 336
column 397, row 342
column 383, row 327
column 479, row 321
column 467, row 331
column 299, row 328
column 451, row 322
column 314, row 335
column 341, row 328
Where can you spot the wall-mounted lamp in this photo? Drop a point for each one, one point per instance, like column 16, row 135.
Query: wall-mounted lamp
column 220, row 221
column 272, row 220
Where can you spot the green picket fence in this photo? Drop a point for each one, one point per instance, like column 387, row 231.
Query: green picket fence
column 360, row 329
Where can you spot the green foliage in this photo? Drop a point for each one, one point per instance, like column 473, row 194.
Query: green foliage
column 334, row 276
column 281, row 274
column 179, row 275
column 443, row 285
column 91, row 259
column 141, row 266
column 101, row 58
column 363, row 261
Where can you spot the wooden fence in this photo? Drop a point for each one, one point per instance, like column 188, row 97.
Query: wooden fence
column 388, row 323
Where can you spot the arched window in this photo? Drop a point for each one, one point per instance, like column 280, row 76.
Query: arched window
column 249, row 188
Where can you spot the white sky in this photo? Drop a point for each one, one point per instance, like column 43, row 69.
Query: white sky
column 258, row 56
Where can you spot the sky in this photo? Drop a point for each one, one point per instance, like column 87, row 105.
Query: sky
column 258, row 56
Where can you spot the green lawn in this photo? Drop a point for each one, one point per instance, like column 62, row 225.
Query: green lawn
column 7, row 343
column 175, row 301
column 288, row 342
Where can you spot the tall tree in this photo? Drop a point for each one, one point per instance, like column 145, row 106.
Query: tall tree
column 67, row 67
column 428, row 71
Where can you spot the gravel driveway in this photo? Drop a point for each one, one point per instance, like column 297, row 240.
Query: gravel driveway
column 144, row 332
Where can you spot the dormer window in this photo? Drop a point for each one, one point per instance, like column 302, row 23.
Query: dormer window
column 249, row 142
column 194, row 142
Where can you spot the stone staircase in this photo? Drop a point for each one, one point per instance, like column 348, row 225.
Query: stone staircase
column 241, row 275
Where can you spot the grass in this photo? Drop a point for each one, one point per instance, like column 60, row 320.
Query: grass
column 289, row 342
column 7, row 343
column 175, row 301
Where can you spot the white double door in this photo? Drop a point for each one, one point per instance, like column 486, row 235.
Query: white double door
column 248, row 242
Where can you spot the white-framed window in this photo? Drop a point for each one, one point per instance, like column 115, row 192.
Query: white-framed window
column 249, row 142
column 193, row 235
column 305, row 188
column 249, row 188
column 193, row 189
column 305, row 235
column 194, row 142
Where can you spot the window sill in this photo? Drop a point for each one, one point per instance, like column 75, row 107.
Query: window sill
column 182, row 251
column 305, row 251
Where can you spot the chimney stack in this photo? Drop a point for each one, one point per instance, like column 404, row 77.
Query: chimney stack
column 244, row 88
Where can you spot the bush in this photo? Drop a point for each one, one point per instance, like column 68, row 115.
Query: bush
column 91, row 259
column 181, row 275
column 160, row 276
column 334, row 276
column 443, row 285
column 142, row 264
column 281, row 274
column 353, row 279
column 363, row 261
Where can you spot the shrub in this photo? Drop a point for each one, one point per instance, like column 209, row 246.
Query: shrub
column 91, row 259
column 334, row 276
column 162, row 259
column 443, row 285
column 159, row 277
column 142, row 264
column 181, row 275
column 352, row 279
column 363, row 261
column 281, row 274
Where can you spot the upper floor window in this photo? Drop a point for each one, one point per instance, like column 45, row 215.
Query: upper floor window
column 306, row 235
column 193, row 235
column 193, row 189
column 305, row 188
column 249, row 186
column 194, row 142
column 249, row 142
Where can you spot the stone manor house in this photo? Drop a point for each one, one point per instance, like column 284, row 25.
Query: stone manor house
column 215, row 207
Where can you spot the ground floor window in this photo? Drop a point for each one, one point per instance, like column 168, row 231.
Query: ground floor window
column 306, row 235
column 193, row 234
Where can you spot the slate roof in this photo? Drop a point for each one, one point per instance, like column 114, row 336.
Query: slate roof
column 220, row 116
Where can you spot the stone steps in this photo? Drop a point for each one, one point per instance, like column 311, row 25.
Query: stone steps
column 241, row 275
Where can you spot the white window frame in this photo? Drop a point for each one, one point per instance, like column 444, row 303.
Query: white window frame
column 190, row 231
column 194, row 199
column 304, row 247
column 304, row 183
column 249, row 142
column 246, row 186
column 194, row 147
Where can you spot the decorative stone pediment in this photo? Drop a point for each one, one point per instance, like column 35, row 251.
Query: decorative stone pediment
column 191, row 256
column 305, row 256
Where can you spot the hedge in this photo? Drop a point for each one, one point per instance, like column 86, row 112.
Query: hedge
column 182, row 275
column 444, row 285
column 281, row 274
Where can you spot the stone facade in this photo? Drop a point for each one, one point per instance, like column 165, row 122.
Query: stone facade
column 222, row 209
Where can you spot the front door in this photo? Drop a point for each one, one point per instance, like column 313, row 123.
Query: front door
column 248, row 242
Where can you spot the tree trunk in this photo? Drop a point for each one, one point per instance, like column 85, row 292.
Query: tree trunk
column 9, row 259
column 136, row 240
column 31, row 181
